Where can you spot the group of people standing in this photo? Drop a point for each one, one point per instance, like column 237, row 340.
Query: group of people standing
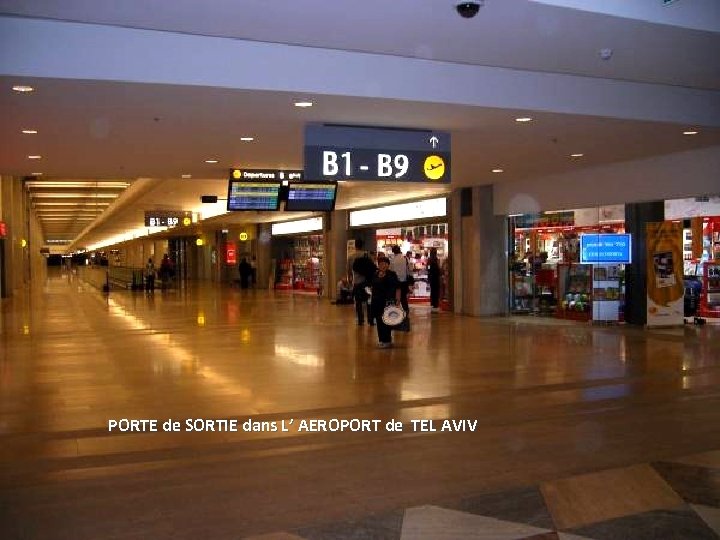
column 389, row 280
column 165, row 273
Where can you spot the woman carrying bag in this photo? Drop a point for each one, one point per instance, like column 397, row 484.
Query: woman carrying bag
column 385, row 290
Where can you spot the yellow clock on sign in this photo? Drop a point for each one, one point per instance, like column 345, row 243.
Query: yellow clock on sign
column 187, row 220
column 243, row 236
column 434, row 167
column 237, row 174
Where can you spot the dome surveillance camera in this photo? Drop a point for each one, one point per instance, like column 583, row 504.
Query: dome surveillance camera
column 468, row 10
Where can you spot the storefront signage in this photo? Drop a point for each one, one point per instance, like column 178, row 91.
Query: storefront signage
column 162, row 218
column 253, row 195
column 546, row 219
column 265, row 174
column 665, row 288
column 605, row 249
column 297, row 227
column 376, row 154
column 399, row 212
column 3, row 229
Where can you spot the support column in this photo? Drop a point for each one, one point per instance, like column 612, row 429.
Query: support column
column 336, row 249
column 15, row 256
column 264, row 256
column 479, row 252
column 637, row 215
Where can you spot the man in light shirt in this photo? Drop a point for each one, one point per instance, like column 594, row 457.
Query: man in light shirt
column 399, row 265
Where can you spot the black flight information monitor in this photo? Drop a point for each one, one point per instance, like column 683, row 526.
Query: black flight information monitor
column 249, row 195
column 311, row 196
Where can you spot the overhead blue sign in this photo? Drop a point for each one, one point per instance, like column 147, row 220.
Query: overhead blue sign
column 605, row 249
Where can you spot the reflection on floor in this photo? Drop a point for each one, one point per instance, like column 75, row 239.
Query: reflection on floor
column 572, row 431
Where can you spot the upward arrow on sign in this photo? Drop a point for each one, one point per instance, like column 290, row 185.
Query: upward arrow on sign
column 434, row 141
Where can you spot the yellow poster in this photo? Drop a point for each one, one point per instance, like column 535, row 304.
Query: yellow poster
column 697, row 237
column 664, row 274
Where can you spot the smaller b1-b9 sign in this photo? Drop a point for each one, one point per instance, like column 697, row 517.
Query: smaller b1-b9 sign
column 162, row 218
column 605, row 249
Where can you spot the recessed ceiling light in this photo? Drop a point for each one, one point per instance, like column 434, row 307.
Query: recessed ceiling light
column 211, row 161
column 186, row 176
column 34, row 157
column 102, row 184
column 497, row 170
column 73, row 195
column 303, row 104
column 35, row 174
column 247, row 139
column 524, row 119
column 576, row 155
column 23, row 89
column 690, row 132
column 29, row 131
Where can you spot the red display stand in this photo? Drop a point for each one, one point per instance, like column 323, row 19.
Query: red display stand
column 710, row 297
column 285, row 282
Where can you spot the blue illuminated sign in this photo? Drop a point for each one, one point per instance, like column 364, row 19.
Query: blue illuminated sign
column 605, row 249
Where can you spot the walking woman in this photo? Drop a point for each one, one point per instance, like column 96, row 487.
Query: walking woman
column 385, row 289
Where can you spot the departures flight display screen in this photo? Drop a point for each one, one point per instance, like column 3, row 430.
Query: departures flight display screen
column 249, row 195
column 311, row 196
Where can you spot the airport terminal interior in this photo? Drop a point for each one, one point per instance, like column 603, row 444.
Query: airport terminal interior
column 192, row 344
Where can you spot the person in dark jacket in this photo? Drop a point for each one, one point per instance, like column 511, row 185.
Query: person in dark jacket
column 433, row 270
column 245, row 273
column 385, row 289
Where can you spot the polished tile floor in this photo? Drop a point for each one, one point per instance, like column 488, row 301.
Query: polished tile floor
column 571, row 431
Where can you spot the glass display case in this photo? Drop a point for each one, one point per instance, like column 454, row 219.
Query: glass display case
column 575, row 287
column 523, row 288
column 710, row 296
column 608, row 292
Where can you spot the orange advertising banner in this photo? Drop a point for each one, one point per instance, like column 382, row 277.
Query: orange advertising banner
column 696, row 225
column 665, row 288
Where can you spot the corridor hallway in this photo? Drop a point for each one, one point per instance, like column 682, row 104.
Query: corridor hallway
column 580, row 429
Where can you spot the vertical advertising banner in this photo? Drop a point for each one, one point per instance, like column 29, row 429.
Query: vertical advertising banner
column 664, row 274
column 697, row 237
column 230, row 253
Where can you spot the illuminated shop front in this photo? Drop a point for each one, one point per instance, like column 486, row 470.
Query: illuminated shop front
column 700, row 217
column 299, row 255
column 415, row 227
column 547, row 275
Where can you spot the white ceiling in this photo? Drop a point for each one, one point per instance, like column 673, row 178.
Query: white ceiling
column 519, row 34
column 94, row 129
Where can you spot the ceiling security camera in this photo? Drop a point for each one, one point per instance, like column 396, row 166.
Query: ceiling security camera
column 468, row 10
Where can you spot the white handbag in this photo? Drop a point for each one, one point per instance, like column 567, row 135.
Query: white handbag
column 393, row 315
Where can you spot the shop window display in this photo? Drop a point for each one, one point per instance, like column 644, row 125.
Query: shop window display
column 416, row 242
column 545, row 275
column 302, row 271
column 307, row 264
